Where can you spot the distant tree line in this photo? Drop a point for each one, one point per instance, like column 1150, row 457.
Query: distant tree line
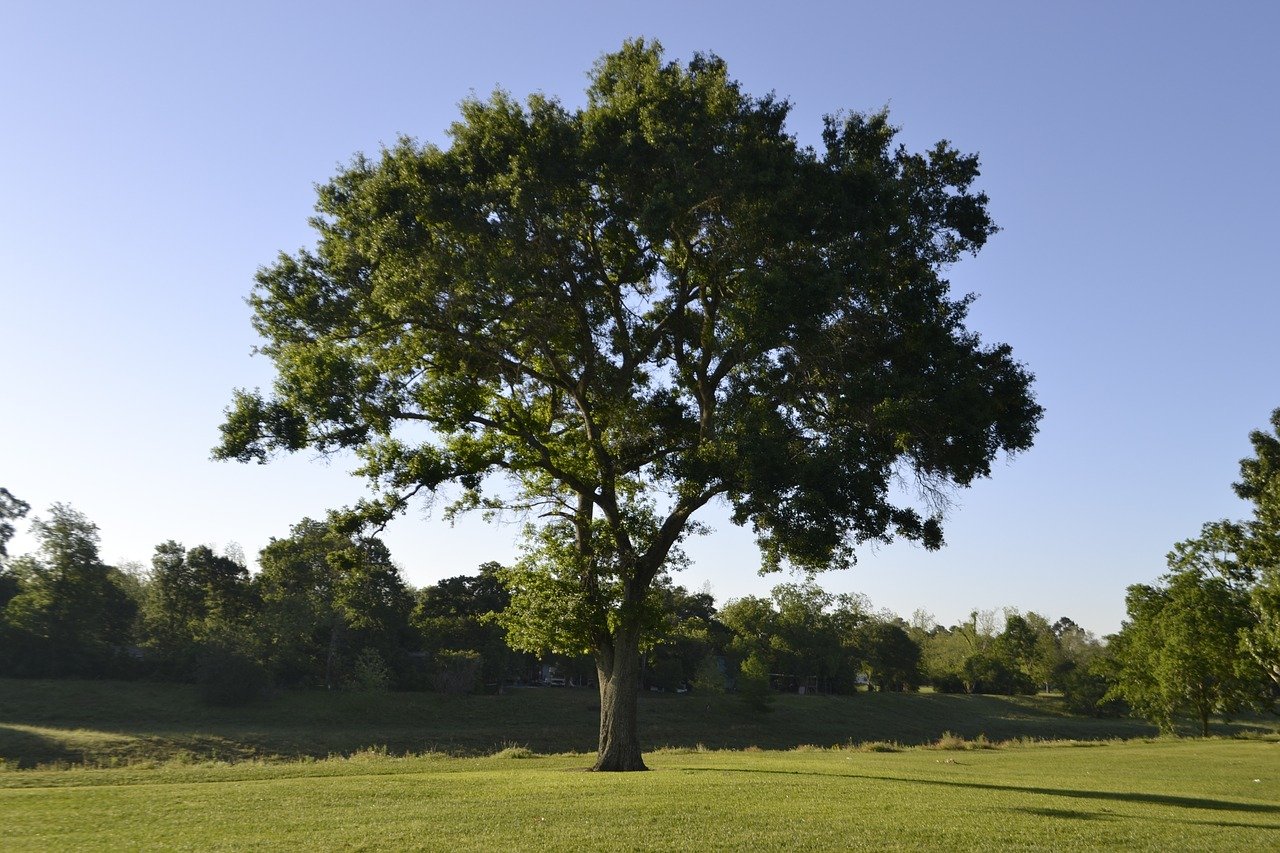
column 330, row 610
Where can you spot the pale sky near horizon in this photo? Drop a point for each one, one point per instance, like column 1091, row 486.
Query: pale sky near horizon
column 154, row 155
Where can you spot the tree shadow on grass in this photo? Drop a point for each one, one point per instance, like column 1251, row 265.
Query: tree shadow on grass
column 1072, row 814
column 1066, row 814
column 22, row 747
column 1115, row 796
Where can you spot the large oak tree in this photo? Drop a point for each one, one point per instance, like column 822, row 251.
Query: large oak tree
column 616, row 314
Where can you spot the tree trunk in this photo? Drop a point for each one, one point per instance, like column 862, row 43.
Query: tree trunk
column 331, row 659
column 618, row 672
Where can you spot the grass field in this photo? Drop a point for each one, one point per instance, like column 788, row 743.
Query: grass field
column 1218, row 794
column 103, row 722
column 146, row 766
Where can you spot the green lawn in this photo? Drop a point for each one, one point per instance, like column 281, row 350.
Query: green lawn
column 1167, row 795
column 103, row 722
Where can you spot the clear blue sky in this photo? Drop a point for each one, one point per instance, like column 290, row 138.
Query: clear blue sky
column 153, row 155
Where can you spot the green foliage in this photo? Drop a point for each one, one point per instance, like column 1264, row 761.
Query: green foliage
column 1087, row 687
column 1210, row 639
column 1179, row 650
column 190, row 599
column 1262, row 641
column 890, row 657
column 802, row 633
column 326, row 596
column 551, row 609
column 11, row 509
column 753, row 684
column 461, row 613
column 660, row 294
column 991, row 673
column 370, row 672
column 1260, row 485
column 692, row 641
column 457, row 671
column 709, row 677
column 943, row 653
column 70, row 614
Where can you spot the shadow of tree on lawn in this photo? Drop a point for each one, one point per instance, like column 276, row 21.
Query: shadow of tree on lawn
column 1115, row 796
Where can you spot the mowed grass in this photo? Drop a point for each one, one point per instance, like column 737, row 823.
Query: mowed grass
column 104, row 722
column 1220, row 794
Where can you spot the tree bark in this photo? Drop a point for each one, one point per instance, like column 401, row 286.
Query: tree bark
column 618, row 672
column 331, row 659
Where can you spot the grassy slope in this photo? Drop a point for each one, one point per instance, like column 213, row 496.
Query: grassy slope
column 99, row 722
column 1166, row 795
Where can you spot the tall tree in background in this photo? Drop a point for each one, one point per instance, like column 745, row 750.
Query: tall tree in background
column 1260, row 485
column 890, row 657
column 325, row 596
column 11, row 509
column 1179, row 650
column 457, row 614
column 626, row 311
column 71, row 614
column 190, row 597
column 1246, row 554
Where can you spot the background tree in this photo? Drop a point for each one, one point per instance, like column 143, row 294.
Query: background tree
column 458, row 614
column 965, row 657
column 689, row 644
column 803, row 635
column 1086, row 672
column 943, row 652
column 632, row 309
column 71, row 614
column 1179, row 650
column 1260, row 485
column 190, row 598
column 815, row 641
column 1028, row 649
column 11, row 509
column 889, row 655
column 752, row 623
column 1245, row 555
column 326, row 598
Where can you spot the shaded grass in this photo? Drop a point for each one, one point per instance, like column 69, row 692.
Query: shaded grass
column 1172, row 795
column 106, row 723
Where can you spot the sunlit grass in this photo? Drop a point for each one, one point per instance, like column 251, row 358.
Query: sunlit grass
column 1175, row 794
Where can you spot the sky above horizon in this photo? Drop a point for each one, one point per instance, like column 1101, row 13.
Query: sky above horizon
column 154, row 155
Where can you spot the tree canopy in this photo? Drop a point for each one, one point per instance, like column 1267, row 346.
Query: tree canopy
column 615, row 314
